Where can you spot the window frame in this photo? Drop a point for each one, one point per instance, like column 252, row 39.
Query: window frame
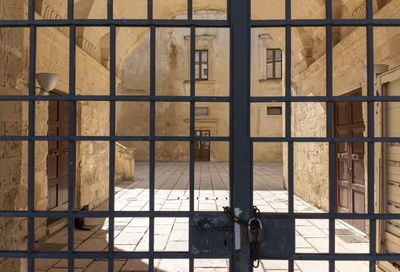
column 274, row 63
column 200, row 63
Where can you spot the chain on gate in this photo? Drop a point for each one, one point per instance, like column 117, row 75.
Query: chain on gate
column 255, row 231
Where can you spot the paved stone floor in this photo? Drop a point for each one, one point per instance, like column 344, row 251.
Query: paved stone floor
column 171, row 234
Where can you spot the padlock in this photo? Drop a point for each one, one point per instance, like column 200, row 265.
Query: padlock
column 255, row 229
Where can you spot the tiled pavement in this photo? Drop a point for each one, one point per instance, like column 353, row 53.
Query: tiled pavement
column 171, row 234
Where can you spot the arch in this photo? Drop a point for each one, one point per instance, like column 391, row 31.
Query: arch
column 166, row 9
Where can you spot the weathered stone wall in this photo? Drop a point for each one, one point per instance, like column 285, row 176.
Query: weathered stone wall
column 13, row 164
column 172, row 78
column 124, row 163
column 52, row 56
column 310, row 118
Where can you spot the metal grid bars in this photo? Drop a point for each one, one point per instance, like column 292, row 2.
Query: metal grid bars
column 241, row 144
column 328, row 23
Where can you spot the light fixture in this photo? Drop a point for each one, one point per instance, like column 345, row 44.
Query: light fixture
column 378, row 69
column 47, row 82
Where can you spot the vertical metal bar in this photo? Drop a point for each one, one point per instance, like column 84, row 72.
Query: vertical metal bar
column 31, row 144
column 329, row 134
column 111, row 190
column 231, row 56
column 371, row 124
column 190, row 9
column 192, row 133
column 71, row 133
column 241, row 187
column 110, row 10
column 150, row 9
column 228, row 10
column 288, row 130
column 152, row 142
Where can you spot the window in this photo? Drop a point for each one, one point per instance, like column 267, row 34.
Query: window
column 201, row 111
column 201, row 65
column 274, row 64
column 274, row 110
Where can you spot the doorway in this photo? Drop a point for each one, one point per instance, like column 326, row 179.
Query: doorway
column 350, row 182
column 57, row 158
column 202, row 148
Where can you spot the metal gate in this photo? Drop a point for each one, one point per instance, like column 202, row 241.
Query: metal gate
column 212, row 234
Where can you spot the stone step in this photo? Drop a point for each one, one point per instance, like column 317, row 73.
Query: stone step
column 56, row 226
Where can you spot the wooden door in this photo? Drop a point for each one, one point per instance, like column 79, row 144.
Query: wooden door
column 202, row 148
column 350, row 183
column 57, row 158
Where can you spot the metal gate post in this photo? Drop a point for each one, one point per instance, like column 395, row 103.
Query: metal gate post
column 241, row 185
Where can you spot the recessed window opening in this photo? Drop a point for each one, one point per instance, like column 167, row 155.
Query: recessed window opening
column 274, row 110
column 274, row 64
column 201, row 111
column 201, row 64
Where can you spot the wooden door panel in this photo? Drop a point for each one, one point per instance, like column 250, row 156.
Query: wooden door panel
column 53, row 111
column 205, row 155
column 63, row 192
column 350, row 183
column 52, row 172
column 52, row 196
column 359, row 201
column 358, row 172
column 57, row 159
column 356, row 112
column 343, row 173
column 343, row 197
column 64, row 118
column 202, row 148
column 342, row 114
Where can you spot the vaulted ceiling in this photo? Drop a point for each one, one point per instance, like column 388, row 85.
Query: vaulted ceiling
column 308, row 44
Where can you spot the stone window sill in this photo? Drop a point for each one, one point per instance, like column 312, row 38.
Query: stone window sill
column 270, row 80
column 201, row 82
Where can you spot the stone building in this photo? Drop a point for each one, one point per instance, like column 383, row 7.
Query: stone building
column 311, row 169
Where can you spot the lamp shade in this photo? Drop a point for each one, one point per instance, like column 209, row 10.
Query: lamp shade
column 47, row 81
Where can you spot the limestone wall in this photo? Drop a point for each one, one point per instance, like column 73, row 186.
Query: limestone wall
column 52, row 56
column 172, row 78
column 13, row 154
column 124, row 163
column 310, row 118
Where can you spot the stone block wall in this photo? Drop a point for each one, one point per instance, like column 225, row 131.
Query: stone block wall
column 124, row 163
column 13, row 163
column 52, row 56
column 172, row 78
column 309, row 119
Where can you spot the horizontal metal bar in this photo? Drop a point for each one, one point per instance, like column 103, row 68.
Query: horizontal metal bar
column 325, row 22
column 115, row 255
column 198, row 23
column 114, row 138
column 116, row 98
column 348, row 257
column 198, row 138
column 260, row 99
column 339, row 216
column 105, row 214
column 115, row 22
column 94, row 214
column 326, row 139
column 186, row 255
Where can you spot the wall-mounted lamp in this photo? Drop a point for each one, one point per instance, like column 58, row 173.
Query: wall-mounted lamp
column 378, row 69
column 47, row 82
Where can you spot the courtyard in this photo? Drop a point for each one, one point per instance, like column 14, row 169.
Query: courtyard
column 171, row 234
